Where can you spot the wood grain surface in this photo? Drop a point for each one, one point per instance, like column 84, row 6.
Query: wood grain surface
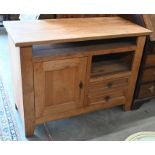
column 26, row 33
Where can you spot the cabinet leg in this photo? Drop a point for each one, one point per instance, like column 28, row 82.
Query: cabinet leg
column 28, row 89
column 126, row 108
column 29, row 131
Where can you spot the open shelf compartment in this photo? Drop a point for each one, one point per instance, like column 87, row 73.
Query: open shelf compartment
column 110, row 64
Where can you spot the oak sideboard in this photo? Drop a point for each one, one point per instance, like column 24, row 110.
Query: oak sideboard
column 66, row 67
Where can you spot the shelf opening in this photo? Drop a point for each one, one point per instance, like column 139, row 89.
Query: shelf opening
column 111, row 64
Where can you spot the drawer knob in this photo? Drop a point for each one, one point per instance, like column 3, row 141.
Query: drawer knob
column 152, row 89
column 109, row 85
column 107, row 98
column 81, row 85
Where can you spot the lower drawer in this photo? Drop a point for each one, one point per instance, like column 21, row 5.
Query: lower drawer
column 107, row 98
column 111, row 91
column 147, row 90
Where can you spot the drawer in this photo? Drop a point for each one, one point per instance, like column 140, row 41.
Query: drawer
column 107, row 85
column 115, row 97
column 149, row 75
column 111, row 91
column 150, row 60
column 147, row 90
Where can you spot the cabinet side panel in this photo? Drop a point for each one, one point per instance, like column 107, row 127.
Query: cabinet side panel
column 15, row 64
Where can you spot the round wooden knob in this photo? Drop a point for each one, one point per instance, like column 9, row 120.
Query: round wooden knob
column 107, row 98
column 109, row 85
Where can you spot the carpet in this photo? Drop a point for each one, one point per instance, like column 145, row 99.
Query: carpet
column 8, row 125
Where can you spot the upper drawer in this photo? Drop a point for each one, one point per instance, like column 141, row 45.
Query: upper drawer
column 150, row 60
column 108, row 85
column 149, row 75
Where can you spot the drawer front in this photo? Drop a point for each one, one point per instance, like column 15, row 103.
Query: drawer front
column 107, row 85
column 114, row 97
column 147, row 90
column 149, row 75
column 108, row 92
column 150, row 60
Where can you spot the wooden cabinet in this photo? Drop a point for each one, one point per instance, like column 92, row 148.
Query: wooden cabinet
column 74, row 78
column 59, row 85
column 66, row 67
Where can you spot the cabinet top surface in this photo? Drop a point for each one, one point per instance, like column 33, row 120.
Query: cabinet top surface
column 27, row 33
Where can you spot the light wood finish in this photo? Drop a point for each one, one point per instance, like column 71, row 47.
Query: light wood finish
column 59, row 85
column 54, row 81
column 134, row 71
column 76, row 112
column 113, row 98
column 108, row 67
column 88, row 72
column 108, row 91
column 109, row 77
column 15, row 65
column 26, row 33
column 108, row 85
column 28, row 89
column 22, row 69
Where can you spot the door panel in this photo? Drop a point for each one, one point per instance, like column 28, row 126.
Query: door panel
column 58, row 85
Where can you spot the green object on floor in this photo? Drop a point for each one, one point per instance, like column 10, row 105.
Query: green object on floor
column 142, row 136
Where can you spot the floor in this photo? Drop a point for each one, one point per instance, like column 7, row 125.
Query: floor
column 105, row 125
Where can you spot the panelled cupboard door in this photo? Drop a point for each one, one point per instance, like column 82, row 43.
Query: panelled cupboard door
column 59, row 85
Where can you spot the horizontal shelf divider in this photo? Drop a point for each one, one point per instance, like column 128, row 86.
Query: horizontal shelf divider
column 86, row 48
